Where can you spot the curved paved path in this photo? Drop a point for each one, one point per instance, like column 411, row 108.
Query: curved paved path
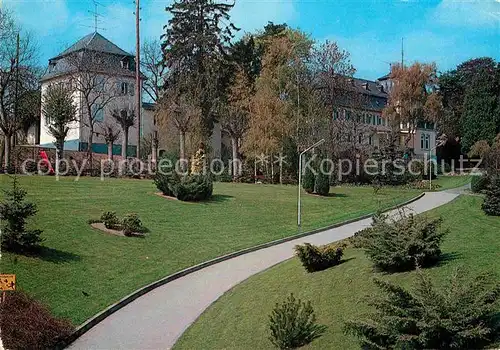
column 157, row 319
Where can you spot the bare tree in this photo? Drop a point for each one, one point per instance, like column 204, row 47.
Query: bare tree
column 153, row 68
column 91, row 75
column 17, row 77
column 111, row 135
column 179, row 105
column 125, row 117
column 155, row 71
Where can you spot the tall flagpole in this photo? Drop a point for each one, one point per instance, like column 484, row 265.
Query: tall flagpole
column 138, row 89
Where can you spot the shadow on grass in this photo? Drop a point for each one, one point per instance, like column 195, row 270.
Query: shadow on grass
column 218, row 198
column 443, row 259
column 329, row 195
column 338, row 195
column 446, row 258
column 333, row 266
column 52, row 255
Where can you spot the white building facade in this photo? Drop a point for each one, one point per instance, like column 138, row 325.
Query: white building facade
column 97, row 66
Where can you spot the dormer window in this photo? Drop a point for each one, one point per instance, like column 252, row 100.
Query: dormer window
column 52, row 65
column 125, row 63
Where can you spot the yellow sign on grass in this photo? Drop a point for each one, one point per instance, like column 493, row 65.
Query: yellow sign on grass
column 7, row 282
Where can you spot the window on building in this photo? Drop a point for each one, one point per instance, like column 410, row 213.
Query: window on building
column 124, row 88
column 370, row 140
column 347, row 115
column 425, row 141
column 379, row 120
column 125, row 63
column 360, row 138
column 369, row 121
column 335, row 114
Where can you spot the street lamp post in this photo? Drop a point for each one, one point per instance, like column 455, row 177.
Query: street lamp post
column 300, row 178
column 441, row 141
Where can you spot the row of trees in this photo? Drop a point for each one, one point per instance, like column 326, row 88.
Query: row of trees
column 276, row 91
column 19, row 84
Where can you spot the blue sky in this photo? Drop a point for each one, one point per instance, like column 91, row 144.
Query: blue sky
column 446, row 32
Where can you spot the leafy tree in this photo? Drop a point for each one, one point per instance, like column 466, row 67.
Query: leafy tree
column 126, row 119
column 269, row 124
column 59, row 112
column 413, row 98
column 451, row 90
column 245, row 54
column 234, row 115
column 481, row 107
column 29, row 106
column 196, row 41
column 461, row 315
column 14, row 211
column 293, row 324
column 491, row 204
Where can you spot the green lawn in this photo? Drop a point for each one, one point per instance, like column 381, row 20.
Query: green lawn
column 448, row 182
column 239, row 319
column 77, row 259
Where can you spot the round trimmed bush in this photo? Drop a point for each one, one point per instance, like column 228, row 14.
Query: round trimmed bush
column 194, row 188
column 308, row 181
column 491, row 204
column 479, row 183
column 322, row 184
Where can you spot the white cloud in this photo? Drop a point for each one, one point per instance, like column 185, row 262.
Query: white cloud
column 471, row 13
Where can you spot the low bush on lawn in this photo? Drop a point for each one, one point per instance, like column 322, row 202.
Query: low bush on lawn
column 315, row 258
column 166, row 183
column 110, row 220
column 322, row 184
column 461, row 315
column 27, row 324
column 132, row 224
column 491, row 204
column 308, row 181
column 194, row 187
column 293, row 324
column 14, row 212
column 479, row 183
column 404, row 242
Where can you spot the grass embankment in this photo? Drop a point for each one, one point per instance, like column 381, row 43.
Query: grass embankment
column 81, row 270
column 239, row 319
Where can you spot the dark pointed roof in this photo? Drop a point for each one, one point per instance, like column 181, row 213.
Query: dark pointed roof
column 94, row 42
column 385, row 77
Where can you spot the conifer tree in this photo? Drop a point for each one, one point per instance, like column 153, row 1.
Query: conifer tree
column 196, row 40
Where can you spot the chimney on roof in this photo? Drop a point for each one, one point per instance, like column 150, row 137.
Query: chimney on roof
column 365, row 86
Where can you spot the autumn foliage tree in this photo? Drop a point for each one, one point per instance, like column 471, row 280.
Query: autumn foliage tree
column 235, row 113
column 413, row 98
column 269, row 123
